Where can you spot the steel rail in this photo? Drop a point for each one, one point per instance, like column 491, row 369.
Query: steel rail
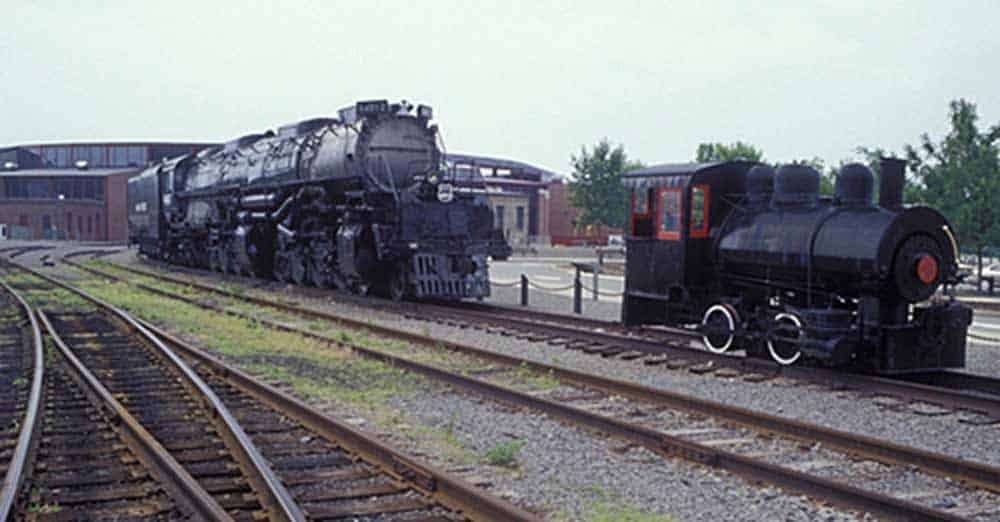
column 28, row 437
column 274, row 496
column 662, row 443
column 985, row 476
column 447, row 489
column 95, row 253
column 952, row 389
column 19, row 250
column 184, row 488
column 940, row 393
column 450, row 491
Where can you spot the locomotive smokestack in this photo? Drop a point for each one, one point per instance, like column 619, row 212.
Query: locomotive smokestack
column 892, row 175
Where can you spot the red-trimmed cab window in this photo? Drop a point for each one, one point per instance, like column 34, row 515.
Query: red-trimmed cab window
column 642, row 218
column 699, row 211
column 668, row 213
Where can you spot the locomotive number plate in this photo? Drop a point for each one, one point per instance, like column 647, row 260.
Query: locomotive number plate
column 373, row 107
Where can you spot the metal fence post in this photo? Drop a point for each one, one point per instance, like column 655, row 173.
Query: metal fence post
column 524, row 290
column 597, row 271
column 577, row 292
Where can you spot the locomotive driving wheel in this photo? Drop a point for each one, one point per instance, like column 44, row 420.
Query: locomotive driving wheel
column 299, row 270
column 718, row 327
column 783, row 339
column 282, row 268
column 318, row 276
column 398, row 283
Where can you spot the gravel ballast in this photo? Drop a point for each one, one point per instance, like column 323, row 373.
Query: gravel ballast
column 845, row 411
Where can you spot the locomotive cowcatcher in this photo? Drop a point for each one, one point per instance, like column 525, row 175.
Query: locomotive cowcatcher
column 758, row 260
column 360, row 202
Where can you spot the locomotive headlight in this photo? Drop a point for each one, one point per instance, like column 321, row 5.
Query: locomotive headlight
column 445, row 193
column 433, row 179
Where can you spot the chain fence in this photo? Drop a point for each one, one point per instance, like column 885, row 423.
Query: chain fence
column 555, row 289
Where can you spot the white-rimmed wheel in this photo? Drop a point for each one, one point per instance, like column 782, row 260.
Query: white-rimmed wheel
column 785, row 349
column 719, row 327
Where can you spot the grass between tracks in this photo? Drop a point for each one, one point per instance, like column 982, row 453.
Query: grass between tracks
column 44, row 297
column 313, row 369
column 316, row 370
column 522, row 378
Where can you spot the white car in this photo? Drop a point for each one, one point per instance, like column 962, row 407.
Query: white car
column 990, row 271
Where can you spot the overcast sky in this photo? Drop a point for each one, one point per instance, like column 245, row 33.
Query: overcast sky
column 530, row 80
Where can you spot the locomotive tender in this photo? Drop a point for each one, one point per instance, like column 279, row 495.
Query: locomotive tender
column 761, row 262
column 360, row 202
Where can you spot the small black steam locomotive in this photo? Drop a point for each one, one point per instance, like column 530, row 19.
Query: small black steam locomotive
column 761, row 262
column 362, row 202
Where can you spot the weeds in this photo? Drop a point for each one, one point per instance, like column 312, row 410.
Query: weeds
column 43, row 508
column 504, row 454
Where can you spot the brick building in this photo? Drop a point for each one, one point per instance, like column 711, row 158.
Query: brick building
column 74, row 191
column 563, row 217
column 517, row 194
column 63, row 204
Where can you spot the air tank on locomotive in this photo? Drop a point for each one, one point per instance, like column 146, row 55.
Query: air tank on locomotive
column 847, row 247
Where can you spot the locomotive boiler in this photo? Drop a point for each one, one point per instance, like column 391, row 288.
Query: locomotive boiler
column 758, row 260
column 361, row 202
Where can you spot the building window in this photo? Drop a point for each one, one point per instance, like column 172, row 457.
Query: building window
column 97, row 220
column 79, row 226
column 26, row 188
column 499, row 217
column 90, row 226
column 56, row 156
column 69, row 224
column 520, row 218
column 93, row 155
column 46, row 222
column 23, row 220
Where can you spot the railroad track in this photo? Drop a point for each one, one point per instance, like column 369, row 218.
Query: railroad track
column 248, row 450
column 670, row 348
column 80, row 456
column 850, row 470
column 16, row 251
column 678, row 349
column 21, row 370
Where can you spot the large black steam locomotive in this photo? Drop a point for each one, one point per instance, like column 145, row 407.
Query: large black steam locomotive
column 761, row 262
column 362, row 202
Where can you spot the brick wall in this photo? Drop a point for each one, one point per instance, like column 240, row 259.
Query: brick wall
column 510, row 203
column 561, row 214
column 116, row 207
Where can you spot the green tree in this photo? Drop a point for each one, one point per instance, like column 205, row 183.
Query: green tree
column 596, row 187
column 722, row 152
column 961, row 176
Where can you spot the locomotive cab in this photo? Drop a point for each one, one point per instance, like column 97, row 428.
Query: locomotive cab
column 675, row 212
